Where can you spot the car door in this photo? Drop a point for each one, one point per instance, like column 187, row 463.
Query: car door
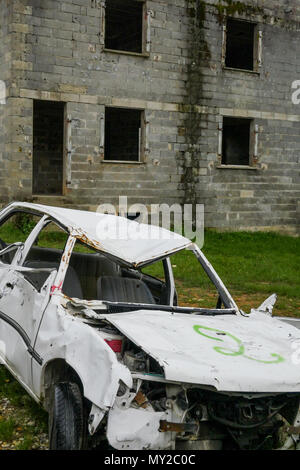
column 21, row 306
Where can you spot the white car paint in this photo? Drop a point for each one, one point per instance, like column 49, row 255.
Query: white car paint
column 221, row 350
column 230, row 353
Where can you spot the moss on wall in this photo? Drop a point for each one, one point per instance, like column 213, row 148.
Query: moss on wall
column 199, row 54
column 231, row 7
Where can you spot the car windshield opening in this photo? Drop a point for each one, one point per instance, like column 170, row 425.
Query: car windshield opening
column 177, row 283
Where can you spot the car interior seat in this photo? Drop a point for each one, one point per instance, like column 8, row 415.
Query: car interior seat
column 123, row 289
column 71, row 286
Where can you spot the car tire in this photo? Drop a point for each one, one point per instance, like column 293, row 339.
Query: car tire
column 67, row 424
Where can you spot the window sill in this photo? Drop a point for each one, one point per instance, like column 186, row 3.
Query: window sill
column 122, row 162
column 237, row 167
column 232, row 69
column 48, row 195
column 135, row 54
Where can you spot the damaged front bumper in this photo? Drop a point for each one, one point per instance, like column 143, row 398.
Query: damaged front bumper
column 179, row 416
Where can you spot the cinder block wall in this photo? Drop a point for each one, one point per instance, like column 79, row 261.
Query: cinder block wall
column 55, row 53
column 57, row 56
column 266, row 197
column 7, row 165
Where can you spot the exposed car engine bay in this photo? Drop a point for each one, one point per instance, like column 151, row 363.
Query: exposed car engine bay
column 196, row 417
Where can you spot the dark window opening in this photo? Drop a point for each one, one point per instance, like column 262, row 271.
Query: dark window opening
column 123, row 133
column 124, row 25
column 240, row 45
column 236, row 141
column 48, row 139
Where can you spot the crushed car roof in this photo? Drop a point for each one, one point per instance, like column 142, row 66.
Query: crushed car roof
column 127, row 240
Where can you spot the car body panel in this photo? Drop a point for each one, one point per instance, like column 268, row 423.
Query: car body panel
column 115, row 235
column 247, row 353
column 216, row 351
column 63, row 336
column 21, row 308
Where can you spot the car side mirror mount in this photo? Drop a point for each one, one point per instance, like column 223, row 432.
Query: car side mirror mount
column 268, row 304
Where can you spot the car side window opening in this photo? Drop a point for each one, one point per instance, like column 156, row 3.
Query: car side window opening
column 96, row 276
column 15, row 228
column 155, row 275
column 86, row 267
column 45, row 252
column 92, row 275
column 191, row 281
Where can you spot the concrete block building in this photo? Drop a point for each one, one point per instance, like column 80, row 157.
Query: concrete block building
column 164, row 101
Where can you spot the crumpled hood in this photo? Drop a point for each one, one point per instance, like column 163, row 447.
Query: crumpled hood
column 232, row 353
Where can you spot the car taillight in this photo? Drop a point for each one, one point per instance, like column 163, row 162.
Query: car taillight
column 115, row 344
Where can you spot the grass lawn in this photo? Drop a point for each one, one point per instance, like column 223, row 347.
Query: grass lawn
column 252, row 266
column 23, row 423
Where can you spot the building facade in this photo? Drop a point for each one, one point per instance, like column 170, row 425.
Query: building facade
column 162, row 101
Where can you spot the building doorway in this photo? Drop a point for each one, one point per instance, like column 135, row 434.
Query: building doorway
column 48, row 147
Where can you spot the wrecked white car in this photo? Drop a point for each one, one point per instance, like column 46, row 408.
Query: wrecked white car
column 103, row 346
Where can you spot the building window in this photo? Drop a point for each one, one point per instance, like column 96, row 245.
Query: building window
column 242, row 45
column 48, row 147
column 236, row 141
column 124, row 135
column 124, row 25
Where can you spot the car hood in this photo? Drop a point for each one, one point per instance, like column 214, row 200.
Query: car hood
column 232, row 353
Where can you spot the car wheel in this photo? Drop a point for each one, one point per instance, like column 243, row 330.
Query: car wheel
column 67, row 424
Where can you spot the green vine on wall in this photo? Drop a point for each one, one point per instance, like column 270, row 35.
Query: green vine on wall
column 199, row 55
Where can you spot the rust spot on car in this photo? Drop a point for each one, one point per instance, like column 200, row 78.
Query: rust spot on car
column 141, row 400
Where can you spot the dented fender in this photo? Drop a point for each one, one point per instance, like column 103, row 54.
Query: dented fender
column 63, row 336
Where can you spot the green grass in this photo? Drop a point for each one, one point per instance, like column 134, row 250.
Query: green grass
column 251, row 262
column 30, row 420
column 248, row 263
column 26, row 444
column 10, row 388
column 48, row 238
column 10, row 234
column 7, row 430
column 252, row 266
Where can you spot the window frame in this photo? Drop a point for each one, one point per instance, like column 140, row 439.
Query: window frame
column 143, row 144
column 257, row 46
column 145, row 36
column 253, row 144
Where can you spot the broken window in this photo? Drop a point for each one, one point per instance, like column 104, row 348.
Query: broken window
column 124, row 20
column 240, row 45
column 123, row 134
column 48, row 143
column 236, row 141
